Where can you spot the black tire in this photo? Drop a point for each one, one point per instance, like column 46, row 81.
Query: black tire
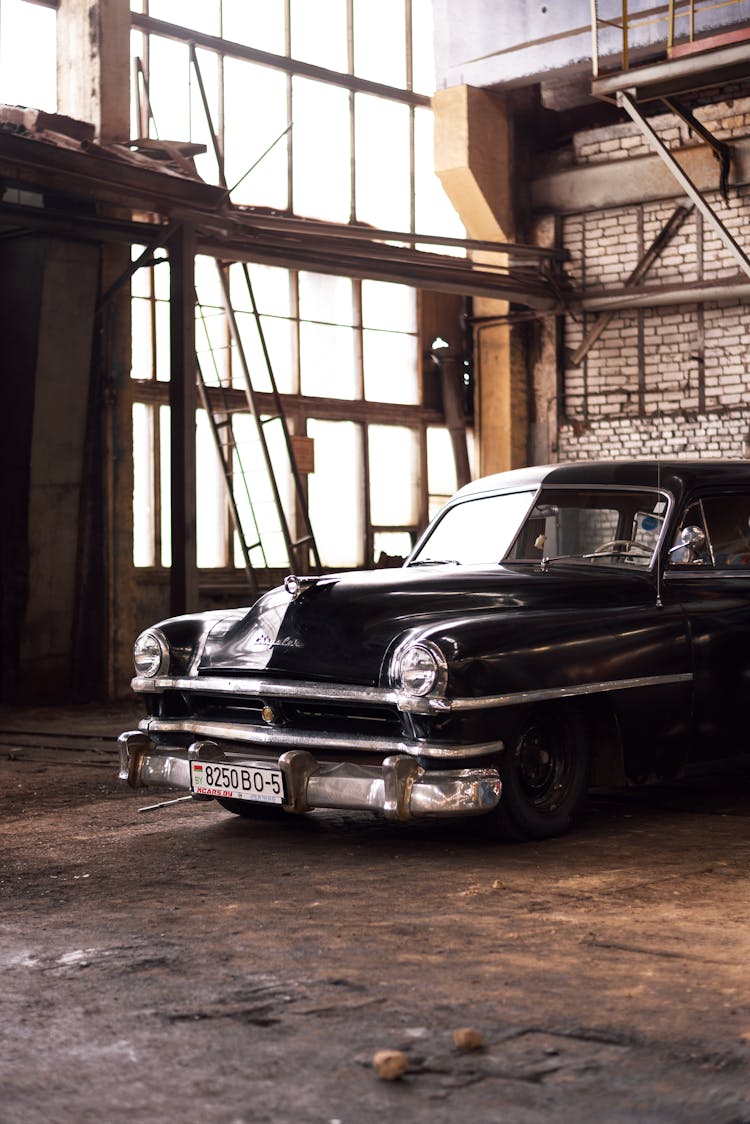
column 251, row 810
column 544, row 771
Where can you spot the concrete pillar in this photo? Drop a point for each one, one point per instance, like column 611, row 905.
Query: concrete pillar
column 93, row 84
column 474, row 161
column 93, row 65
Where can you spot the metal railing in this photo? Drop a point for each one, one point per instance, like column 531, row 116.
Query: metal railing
column 679, row 18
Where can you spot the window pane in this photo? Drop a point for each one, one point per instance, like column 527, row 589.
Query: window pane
column 339, row 526
column 435, row 213
column 380, row 41
column 382, row 163
column 140, row 282
column 144, row 547
column 394, row 475
column 441, row 468
column 200, row 129
column 327, row 298
column 422, row 47
column 27, row 55
column 271, row 289
column 388, row 305
column 328, row 361
column 163, row 349
column 391, row 548
column 141, row 364
column 212, row 345
column 255, row 23
column 165, row 485
column 255, row 116
column 322, row 153
column 391, row 367
column 200, row 15
column 319, row 33
column 168, row 80
column 277, row 335
column 254, row 492
column 210, row 509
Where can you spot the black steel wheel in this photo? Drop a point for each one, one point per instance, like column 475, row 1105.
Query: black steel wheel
column 251, row 809
column 544, row 770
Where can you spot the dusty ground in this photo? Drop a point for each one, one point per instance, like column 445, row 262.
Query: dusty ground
column 183, row 965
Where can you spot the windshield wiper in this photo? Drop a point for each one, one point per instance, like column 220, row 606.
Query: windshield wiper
column 545, row 562
column 436, row 562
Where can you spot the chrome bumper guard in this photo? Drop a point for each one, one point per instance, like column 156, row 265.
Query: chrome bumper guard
column 400, row 787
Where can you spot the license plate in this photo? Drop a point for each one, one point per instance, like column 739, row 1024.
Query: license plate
column 237, row 782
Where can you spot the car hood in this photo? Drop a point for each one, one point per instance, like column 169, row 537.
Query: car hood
column 342, row 628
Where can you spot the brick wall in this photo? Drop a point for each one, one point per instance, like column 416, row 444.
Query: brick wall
column 659, row 380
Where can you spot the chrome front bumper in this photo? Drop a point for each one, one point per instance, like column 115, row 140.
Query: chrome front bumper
column 400, row 787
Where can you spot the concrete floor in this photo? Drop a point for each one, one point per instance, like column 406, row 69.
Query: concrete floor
column 183, row 965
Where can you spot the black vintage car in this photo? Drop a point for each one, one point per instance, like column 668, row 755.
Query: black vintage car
column 554, row 628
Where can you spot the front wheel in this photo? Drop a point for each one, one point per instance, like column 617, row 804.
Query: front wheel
column 544, row 771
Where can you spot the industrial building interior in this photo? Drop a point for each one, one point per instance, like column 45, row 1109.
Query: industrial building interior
column 570, row 311
column 277, row 278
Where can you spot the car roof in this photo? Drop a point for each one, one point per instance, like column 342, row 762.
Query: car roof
column 676, row 476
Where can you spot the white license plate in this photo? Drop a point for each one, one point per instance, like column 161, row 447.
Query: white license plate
column 237, row 782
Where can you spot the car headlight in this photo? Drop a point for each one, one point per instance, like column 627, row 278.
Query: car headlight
column 419, row 667
column 151, row 653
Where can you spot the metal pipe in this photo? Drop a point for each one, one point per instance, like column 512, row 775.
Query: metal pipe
column 695, row 294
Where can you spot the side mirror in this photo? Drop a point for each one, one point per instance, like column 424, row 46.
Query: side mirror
column 692, row 542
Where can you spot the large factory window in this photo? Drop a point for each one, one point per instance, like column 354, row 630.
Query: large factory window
column 344, row 352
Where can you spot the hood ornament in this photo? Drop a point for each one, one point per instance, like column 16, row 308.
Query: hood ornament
column 294, row 585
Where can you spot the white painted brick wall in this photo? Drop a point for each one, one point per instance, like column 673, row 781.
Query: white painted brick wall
column 661, row 380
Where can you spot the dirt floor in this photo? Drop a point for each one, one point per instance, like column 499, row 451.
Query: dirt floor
column 184, row 965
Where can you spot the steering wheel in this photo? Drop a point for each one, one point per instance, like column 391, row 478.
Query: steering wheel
column 612, row 546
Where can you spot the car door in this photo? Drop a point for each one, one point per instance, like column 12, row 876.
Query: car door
column 711, row 581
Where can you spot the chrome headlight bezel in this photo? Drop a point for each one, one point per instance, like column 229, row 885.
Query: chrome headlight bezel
column 419, row 668
column 152, row 648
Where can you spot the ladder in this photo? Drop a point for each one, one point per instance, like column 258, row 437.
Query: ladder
column 246, row 506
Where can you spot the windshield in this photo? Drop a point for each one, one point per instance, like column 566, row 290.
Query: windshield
column 477, row 530
column 598, row 525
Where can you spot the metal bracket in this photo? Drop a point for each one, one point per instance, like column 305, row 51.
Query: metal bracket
column 626, row 101
column 399, row 775
column 723, row 152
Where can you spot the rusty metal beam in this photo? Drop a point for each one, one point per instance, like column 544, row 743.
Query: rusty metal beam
column 626, row 101
column 278, row 62
column 651, row 256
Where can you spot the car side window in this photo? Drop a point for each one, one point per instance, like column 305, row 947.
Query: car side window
column 714, row 532
column 728, row 530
